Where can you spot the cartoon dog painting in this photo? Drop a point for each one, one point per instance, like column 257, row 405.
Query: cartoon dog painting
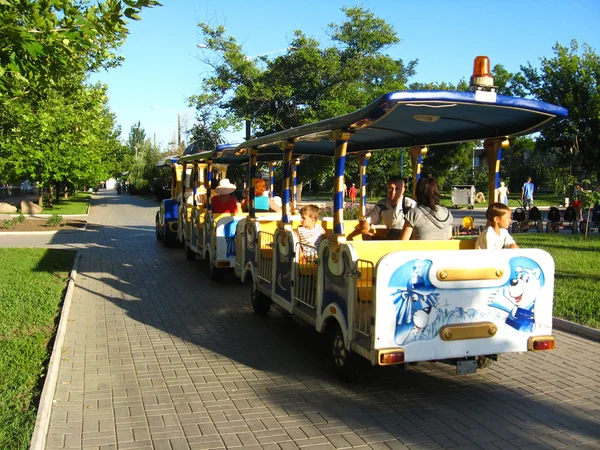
column 414, row 299
column 518, row 296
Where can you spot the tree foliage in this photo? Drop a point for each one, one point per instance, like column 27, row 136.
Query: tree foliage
column 311, row 82
column 571, row 79
column 54, row 127
column 44, row 41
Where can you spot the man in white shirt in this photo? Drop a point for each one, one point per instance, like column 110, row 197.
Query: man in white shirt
column 390, row 210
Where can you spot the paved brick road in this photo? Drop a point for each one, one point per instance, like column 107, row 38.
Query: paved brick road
column 157, row 356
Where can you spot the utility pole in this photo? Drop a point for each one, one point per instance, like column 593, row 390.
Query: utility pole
column 248, row 129
column 178, row 132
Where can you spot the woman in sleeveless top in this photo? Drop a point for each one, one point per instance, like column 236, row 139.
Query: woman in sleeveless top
column 428, row 220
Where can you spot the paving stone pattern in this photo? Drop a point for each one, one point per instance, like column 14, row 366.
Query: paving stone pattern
column 157, row 356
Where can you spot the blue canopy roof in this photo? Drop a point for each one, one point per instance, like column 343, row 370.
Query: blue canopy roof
column 419, row 118
column 228, row 154
column 166, row 162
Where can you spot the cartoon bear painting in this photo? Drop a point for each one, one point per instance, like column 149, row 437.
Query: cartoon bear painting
column 414, row 300
column 518, row 296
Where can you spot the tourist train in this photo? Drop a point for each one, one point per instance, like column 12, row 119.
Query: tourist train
column 381, row 302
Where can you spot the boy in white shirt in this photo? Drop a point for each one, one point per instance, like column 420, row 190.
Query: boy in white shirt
column 495, row 235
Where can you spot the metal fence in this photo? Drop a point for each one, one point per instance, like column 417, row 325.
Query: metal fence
column 364, row 308
column 264, row 257
column 305, row 287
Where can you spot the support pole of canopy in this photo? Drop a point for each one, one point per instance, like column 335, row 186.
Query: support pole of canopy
column 251, row 191
column 209, row 188
column 341, row 138
column 493, row 149
column 416, row 157
column 287, row 148
column 272, row 179
column 194, row 183
column 295, row 185
column 181, row 187
column 363, row 159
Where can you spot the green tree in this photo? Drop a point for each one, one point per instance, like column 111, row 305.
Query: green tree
column 309, row 83
column 137, row 138
column 66, row 140
column 145, row 157
column 44, row 41
column 570, row 79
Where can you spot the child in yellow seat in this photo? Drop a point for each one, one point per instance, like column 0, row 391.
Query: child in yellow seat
column 495, row 235
column 310, row 232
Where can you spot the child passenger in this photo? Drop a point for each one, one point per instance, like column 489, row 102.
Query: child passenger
column 310, row 232
column 495, row 235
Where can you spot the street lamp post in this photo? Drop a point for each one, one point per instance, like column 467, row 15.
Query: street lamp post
column 178, row 123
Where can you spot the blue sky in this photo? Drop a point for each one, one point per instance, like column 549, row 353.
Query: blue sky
column 163, row 66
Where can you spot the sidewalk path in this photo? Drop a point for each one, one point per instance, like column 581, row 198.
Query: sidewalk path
column 157, row 356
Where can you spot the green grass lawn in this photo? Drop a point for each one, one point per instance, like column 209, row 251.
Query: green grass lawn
column 513, row 200
column 76, row 204
column 32, row 287
column 577, row 279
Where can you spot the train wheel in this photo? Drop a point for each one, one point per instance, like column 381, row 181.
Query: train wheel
column 190, row 254
column 213, row 273
column 347, row 365
column 159, row 230
column 168, row 239
column 261, row 304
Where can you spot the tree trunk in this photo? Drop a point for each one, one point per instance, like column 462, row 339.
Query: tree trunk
column 40, row 196
column 299, row 187
column 50, row 189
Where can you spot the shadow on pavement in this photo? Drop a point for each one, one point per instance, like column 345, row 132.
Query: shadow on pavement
column 209, row 330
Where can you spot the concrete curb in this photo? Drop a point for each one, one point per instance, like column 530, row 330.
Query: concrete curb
column 42, row 423
column 575, row 328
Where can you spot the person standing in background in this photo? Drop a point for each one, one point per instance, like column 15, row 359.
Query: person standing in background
column 352, row 193
column 527, row 193
column 503, row 193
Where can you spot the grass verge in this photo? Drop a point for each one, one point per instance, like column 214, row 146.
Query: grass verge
column 76, row 204
column 32, row 286
column 577, row 279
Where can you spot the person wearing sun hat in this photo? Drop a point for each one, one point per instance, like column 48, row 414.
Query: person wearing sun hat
column 224, row 202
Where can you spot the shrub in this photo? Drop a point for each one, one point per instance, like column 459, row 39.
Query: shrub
column 54, row 221
column 350, row 212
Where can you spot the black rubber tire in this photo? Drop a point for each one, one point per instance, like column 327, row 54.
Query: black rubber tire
column 347, row 365
column 548, row 227
column 514, row 228
column 470, row 207
column 214, row 273
column 169, row 239
column 582, row 226
column 159, row 231
column 261, row 304
column 190, row 254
